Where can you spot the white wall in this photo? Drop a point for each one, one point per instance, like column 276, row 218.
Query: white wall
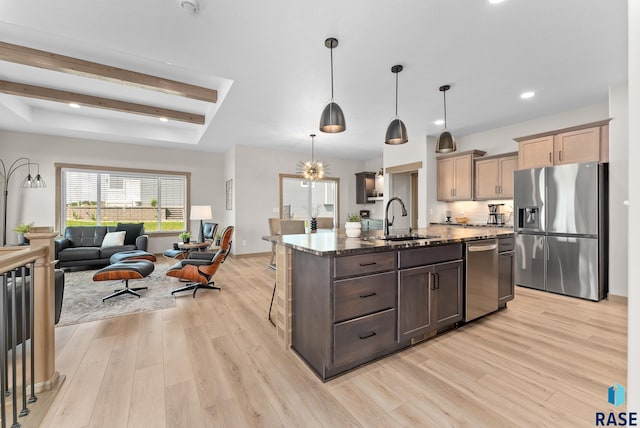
column 254, row 173
column 413, row 151
column 38, row 205
column 633, row 355
column 229, row 174
column 618, row 188
column 495, row 141
column 256, row 182
column 498, row 141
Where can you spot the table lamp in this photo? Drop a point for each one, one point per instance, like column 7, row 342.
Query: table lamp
column 201, row 212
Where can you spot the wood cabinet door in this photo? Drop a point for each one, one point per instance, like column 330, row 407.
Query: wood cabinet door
column 487, row 178
column 365, row 183
column 448, row 289
column 463, row 178
column 578, row 146
column 507, row 167
column 445, row 179
column 536, row 153
column 414, row 301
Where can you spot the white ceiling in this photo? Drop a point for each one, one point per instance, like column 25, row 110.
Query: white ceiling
column 268, row 61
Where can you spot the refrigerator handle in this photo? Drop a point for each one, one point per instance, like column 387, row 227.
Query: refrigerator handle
column 560, row 155
column 550, row 160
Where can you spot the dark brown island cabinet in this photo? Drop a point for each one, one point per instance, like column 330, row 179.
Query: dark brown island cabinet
column 350, row 309
column 429, row 291
column 506, row 271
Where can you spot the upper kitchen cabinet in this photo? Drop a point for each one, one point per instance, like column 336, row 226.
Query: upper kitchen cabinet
column 494, row 176
column 365, row 186
column 535, row 152
column 578, row 146
column 583, row 143
column 456, row 176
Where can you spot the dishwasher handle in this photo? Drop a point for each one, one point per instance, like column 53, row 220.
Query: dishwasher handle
column 473, row 248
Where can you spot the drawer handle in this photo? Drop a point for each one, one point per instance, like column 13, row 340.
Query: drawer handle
column 368, row 335
column 367, row 295
column 368, row 264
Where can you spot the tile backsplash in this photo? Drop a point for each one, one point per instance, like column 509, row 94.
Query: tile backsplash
column 477, row 211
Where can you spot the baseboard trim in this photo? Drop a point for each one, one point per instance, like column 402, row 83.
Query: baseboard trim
column 241, row 256
column 617, row 299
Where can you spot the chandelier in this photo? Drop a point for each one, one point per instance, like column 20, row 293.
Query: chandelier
column 313, row 170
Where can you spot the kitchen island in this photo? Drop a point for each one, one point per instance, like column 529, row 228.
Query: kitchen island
column 346, row 301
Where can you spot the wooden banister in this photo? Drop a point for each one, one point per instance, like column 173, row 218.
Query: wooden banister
column 40, row 251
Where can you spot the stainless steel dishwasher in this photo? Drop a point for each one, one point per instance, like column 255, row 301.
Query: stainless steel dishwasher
column 481, row 278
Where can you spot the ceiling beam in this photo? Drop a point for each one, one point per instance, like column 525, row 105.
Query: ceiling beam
column 39, row 92
column 66, row 64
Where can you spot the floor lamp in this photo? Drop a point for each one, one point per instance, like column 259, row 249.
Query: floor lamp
column 201, row 212
column 29, row 182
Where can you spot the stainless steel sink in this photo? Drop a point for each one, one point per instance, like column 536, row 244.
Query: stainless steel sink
column 395, row 238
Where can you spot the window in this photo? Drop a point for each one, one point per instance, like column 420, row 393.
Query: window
column 109, row 196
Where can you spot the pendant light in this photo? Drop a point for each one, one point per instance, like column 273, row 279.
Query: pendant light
column 332, row 119
column 313, row 170
column 446, row 143
column 396, row 131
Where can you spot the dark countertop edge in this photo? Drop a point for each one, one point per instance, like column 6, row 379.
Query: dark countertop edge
column 377, row 246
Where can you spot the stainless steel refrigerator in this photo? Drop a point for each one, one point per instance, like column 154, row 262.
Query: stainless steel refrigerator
column 561, row 229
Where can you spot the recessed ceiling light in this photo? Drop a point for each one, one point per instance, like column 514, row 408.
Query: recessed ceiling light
column 439, row 122
column 163, row 119
column 528, row 94
column 74, row 105
column 495, row 1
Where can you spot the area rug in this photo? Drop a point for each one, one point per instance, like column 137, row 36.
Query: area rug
column 83, row 298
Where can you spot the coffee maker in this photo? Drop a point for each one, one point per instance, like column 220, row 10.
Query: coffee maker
column 496, row 216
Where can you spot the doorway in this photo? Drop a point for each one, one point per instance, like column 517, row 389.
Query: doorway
column 301, row 199
column 403, row 183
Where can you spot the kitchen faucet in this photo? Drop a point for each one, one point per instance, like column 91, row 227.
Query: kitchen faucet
column 388, row 223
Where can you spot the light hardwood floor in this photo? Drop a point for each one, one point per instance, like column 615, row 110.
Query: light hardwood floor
column 213, row 361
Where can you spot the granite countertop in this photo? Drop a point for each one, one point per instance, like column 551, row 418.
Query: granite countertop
column 453, row 223
column 337, row 243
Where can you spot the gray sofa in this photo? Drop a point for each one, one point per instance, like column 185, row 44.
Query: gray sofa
column 82, row 245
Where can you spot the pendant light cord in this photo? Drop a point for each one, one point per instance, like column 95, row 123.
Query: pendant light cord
column 331, row 72
column 312, row 159
column 444, row 94
column 396, row 94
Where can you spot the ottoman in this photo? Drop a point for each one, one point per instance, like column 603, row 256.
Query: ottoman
column 124, row 271
column 131, row 255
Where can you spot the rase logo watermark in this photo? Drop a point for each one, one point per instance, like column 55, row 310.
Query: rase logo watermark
column 616, row 396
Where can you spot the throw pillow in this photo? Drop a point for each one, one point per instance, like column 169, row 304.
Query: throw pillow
column 133, row 231
column 113, row 239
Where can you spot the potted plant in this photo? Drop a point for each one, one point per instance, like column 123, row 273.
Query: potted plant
column 21, row 229
column 185, row 236
column 353, row 227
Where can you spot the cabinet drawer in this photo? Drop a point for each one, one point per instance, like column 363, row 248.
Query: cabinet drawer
column 428, row 255
column 363, row 295
column 363, row 264
column 363, row 337
column 505, row 244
